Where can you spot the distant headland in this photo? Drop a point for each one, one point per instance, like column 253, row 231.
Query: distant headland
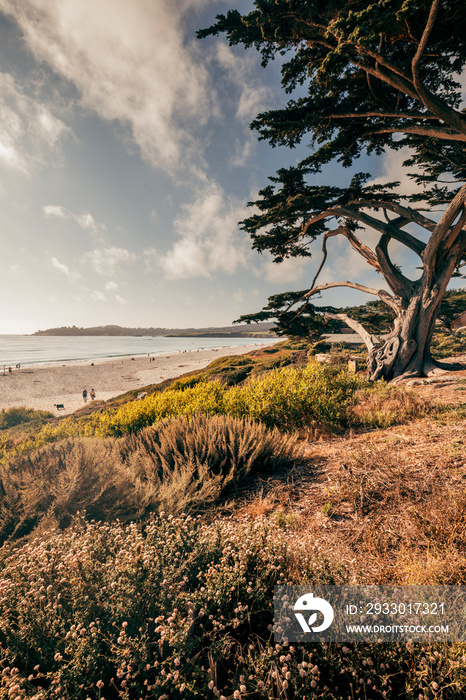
column 260, row 330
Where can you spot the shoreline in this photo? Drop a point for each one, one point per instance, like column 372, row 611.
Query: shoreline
column 43, row 386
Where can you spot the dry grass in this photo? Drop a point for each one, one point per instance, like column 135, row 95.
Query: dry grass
column 177, row 465
column 383, row 405
column 390, row 504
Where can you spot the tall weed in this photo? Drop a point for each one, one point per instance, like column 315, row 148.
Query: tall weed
column 181, row 464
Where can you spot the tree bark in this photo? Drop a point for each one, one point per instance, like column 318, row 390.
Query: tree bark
column 405, row 352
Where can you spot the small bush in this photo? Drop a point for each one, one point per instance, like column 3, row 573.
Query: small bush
column 191, row 462
column 56, row 481
column 176, row 465
column 20, row 414
column 186, row 382
column 447, row 345
column 294, row 398
column 382, row 405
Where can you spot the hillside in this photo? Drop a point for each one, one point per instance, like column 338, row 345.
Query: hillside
column 262, row 330
column 162, row 585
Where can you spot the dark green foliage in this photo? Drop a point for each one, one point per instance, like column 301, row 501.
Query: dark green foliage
column 371, row 77
column 329, row 47
column 453, row 304
column 20, row 414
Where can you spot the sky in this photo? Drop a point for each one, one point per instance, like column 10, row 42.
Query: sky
column 126, row 163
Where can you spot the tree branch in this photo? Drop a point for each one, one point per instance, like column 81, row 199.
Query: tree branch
column 383, row 61
column 442, row 230
column 388, row 115
column 401, row 236
column 360, row 248
column 422, row 131
column 413, row 215
column 438, row 107
column 328, row 234
column 399, row 284
column 381, row 293
column 371, row 341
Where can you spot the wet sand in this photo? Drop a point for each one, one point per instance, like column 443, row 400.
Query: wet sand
column 41, row 387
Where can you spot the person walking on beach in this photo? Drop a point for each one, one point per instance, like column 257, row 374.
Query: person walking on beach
column 92, row 394
column 85, row 395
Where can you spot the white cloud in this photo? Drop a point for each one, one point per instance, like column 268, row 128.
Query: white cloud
column 151, row 260
column 105, row 261
column 28, row 129
column 51, row 210
column 111, row 286
column 209, row 239
column 98, row 296
column 393, row 171
column 85, row 220
column 120, row 299
column 254, row 96
column 130, row 63
column 88, row 223
column 290, row 270
column 64, row 269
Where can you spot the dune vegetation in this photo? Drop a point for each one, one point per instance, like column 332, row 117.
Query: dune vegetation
column 141, row 541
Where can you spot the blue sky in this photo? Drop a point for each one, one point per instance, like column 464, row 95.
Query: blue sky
column 126, row 161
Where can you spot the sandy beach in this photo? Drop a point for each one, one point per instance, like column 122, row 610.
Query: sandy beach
column 41, row 387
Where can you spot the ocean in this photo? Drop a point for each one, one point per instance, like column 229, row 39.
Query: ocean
column 28, row 350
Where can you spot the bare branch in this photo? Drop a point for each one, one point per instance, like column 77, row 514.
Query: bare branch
column 402, row 236
column 438, row 107
column 442, row 230
column 329, row 234
column 364, row 50
column 358, row 245
column 371, row 341
column 423, row 131
column 456, row 231
column 381, row 293
column 399, row 284
column 396, row 80
column 424, row 39
column 409, row 213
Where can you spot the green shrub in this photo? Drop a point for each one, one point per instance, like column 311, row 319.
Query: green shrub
column 231, row 370
column 293, row 398
column 186, row 382
column 446, row 345
column 20, row 414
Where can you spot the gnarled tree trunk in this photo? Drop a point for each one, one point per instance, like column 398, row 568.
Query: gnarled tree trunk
column 406, row 350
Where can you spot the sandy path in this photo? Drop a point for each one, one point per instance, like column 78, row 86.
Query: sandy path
column 42, row 387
